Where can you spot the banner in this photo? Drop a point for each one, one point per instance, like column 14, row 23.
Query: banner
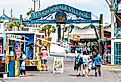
column 58, row 65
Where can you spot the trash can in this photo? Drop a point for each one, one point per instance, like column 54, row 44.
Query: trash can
column 11, row 66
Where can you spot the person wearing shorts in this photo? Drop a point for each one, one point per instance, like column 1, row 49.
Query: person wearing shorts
column 90, row 63
column 43, row 57
column 98, row 62
column 44, row 61
column 85, row 66
column 78, row 62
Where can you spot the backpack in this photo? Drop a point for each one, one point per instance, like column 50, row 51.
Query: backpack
column 78, row 62
column 79, row 59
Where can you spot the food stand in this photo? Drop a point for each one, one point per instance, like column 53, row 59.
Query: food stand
column 13, row 50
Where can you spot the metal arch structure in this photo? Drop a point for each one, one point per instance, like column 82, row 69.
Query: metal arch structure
column 37, row 17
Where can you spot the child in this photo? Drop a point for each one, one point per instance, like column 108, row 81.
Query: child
column 44, row 56
column 22, row 64
column 85, row 65
column 78, row 62
column 89, row 64
column 98, row 62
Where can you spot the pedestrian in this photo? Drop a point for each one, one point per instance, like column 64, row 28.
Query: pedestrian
column 89, row 64
column 98, row 63
column 78, row 62
column 43, row 57
column 22, row 64
column 85, row 65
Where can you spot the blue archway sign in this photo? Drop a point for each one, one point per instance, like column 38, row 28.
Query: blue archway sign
column 36, row 16
column 59, row 7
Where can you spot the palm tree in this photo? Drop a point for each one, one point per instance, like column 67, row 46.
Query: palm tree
column 29, row 12
column 14, row 24
column 1, row 21
column 48, row 29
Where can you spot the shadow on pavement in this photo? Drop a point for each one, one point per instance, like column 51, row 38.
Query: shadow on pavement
column 30, row 75
column 75, row 75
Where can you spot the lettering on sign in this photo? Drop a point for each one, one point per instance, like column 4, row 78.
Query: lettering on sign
column 60, row 7
column 14, row 36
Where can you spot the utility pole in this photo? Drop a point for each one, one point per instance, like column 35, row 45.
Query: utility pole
column 11, row 15
column 112, row 7
column 34, row 4
column 39, row 4
column 3, row 11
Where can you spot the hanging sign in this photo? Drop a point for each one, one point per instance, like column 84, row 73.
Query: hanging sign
column 58, row 65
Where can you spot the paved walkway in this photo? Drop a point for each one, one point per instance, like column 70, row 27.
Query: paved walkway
column 114, row 68
column 69, row 75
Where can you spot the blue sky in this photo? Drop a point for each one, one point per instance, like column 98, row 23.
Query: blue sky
column 97, row 7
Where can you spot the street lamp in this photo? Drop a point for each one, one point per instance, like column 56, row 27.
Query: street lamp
column 34, row 4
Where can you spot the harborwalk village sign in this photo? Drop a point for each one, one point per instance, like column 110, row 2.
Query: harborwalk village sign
column 59, row 7
column 37, row 17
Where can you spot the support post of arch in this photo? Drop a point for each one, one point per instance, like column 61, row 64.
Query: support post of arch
column 101, row 32
column 58, row 32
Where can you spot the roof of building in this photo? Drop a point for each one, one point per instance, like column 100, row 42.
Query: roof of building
column 4, row 17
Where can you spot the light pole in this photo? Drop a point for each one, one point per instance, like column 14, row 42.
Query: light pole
column 39, row 4
column 34, row 4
